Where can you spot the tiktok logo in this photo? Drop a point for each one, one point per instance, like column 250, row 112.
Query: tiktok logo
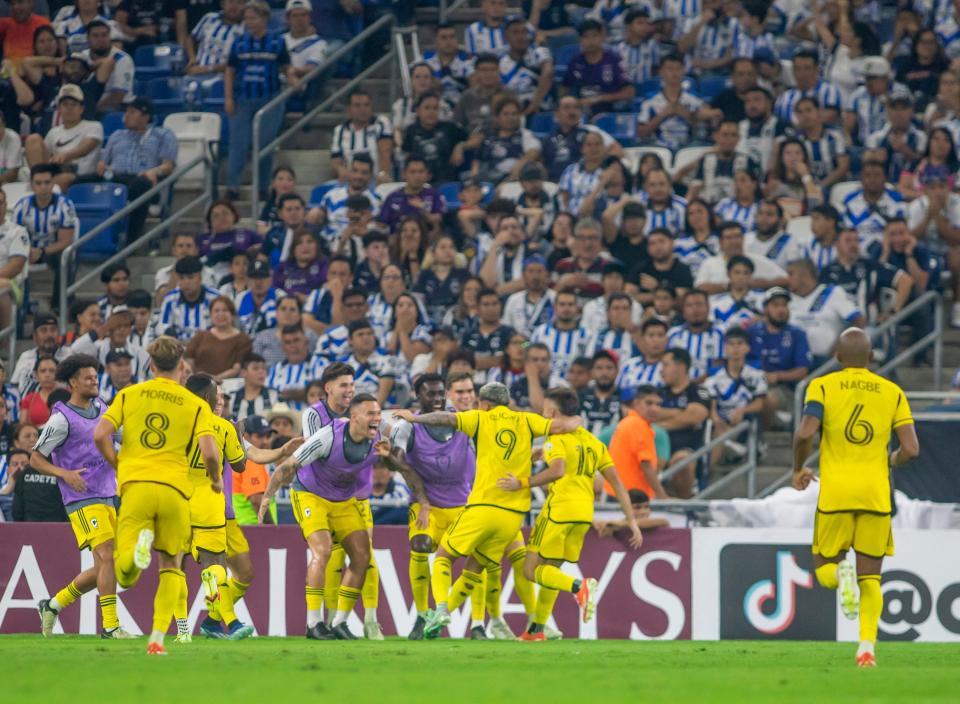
column 789, row 576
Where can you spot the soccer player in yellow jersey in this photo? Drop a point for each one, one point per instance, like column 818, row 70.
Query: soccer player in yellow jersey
column 492, row 517
column 161, row 423
column 572, row 461
column 855, row 412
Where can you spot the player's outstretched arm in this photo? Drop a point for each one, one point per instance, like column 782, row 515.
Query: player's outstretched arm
column 802, row 447
column 909, row 445
column 212, row 461
column 566, row 424
column 623, row 498
column 441, row 418
column 103, row 439
column 272, row 456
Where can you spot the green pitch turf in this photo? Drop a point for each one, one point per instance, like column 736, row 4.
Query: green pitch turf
column 277, row 671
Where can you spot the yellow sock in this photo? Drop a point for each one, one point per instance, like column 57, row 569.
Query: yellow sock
column 545, row 601
column 347, row 599
column 477, row 598
column 524, row 587
column 440, row 580
column 420, row 580
column 180, row 605
column 493, row 590
column 827, row 575
column 871, row 604
column 108, row 611
column 463, row 588
column 371, row 585
column 314, row 598
column 332, row 577
column 167, row 597
column 552, row 578
column 67, row 596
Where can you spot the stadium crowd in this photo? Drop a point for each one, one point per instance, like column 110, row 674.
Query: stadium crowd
column 672, row 207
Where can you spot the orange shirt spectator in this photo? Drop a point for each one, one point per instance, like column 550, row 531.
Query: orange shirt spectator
column 250, row 485
column 634, row 445
column 16, row 31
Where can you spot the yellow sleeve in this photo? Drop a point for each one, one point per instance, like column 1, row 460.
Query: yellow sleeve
column 815, row 392
column 468, row 422
column 539, row 426
column 114, row 413
column 605, row 460
column 205, row 421
column 554, row 449
column 901, row 414
column 233, row 450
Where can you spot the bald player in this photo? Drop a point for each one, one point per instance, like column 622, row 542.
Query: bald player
column 855, row 412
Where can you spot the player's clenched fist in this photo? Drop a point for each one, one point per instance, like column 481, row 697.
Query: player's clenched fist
column 802, row 478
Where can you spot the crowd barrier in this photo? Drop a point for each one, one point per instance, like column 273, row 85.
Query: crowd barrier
column 701, row 583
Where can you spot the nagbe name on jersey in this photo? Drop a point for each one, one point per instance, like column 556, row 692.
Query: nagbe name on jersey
column 860, row 385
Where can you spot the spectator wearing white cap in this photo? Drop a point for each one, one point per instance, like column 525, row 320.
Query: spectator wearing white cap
column 73, row 145
column 898, row 142
column 307, row 50
column 867, row 110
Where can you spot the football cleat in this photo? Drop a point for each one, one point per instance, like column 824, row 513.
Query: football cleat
column 478, row 633
column 117, row 634
column 156, row 649
column 500, row 630
column 341, row 632
column 586, row 599
column 371, row 631
column 183, row 638
column 320, row 632
column 48, row 617
column 212, row 629
column 210, row 587
column 865, row 656
column 436, row 622
column 847, row 586
column 141, row 551
column 416, row 633
column 239, row 631
column 534, row 637
column 552, row 633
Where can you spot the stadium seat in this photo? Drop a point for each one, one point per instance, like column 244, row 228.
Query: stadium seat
column 621, row 126
column 688, row 155
column 633, row 155
column 385, row 189
column 710, row 87
column 451, row 194
column 14, row 192
column 562, row 56
column 512, row 189
column 800, row 226
column 197, row 133
column 840, row 191
column 166, row 94
column 159, row 61
column 111, row 122
column 318, row 192
column 648, row 88
column 95, row 202
column 542, row 124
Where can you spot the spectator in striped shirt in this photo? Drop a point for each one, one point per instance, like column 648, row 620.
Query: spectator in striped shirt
column 751, row 36
column 208, row 44
column 362, row 133
column 615, row 332
column 739, row 305
column 708, row 37
column 639, row 49
column 251, row 80
column 702, row 340
column 526, row 69
column 664, row 207
column 185, row 310
column 671, row 116
column 898, row 143
column 290, row 376
column 307, row 49
column 117, row 375
column 564, row 336
column 761, row 129
column 869, row 208
column 376, row 373
column 582, row 273
column 268, row 343
column 116, row 281
column 770, row 239
column 485, row 36
column 257, row 306
column 821, row 249
column 713, row 173
column 254, row 397
column 539, row 374
column 741, row 205
column 826, row 147
column 867, row 109
column 451, row 66
column 806, row 75
column 645, row 367
column 581, row 178
column 334, row 343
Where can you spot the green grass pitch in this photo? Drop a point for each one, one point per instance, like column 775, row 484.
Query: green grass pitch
column 276, row 671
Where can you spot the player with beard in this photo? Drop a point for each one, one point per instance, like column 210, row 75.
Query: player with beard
column 600, row 401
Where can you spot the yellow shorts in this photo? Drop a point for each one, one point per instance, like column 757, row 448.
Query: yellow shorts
column 439, row 520
column 366, row 512
column 206, row 508
column 313, row 513
column 158, row 507
column 210, row 539
column 94, row 525
column 236, row 541
column 869, row 534
column 482, row 531
column 557, row 541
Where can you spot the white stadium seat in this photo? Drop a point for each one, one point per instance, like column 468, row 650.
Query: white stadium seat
column 632, row 156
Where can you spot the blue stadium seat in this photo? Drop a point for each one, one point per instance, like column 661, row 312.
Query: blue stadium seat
column 159, row 61
column 95, row 202
column 111, row 122
column 542, row 123
column 561, row 58
column 451, row 194
column 621, row 126
column 648, row 88
column 318, row 192
column 166, row 94
column 711, row 86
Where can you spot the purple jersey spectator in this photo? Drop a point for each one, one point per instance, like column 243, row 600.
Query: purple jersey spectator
column 586, row 79
column 399, row 204
column 295, row 279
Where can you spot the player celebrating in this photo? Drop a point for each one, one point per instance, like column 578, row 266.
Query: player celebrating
column 572, row 461
column 446, row 462
column 162, row 425
column 89, row 492
column 855, row 412
column 328, row 468
column 492, row 517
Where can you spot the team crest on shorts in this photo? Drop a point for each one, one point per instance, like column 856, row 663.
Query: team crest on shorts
column 307, row 512
column 94, row 523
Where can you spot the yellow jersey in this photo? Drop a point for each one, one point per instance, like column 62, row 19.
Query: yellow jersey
column 504, row 442
column 858, row 412
column 231, row 451
column 161, row 422
column 571, row 496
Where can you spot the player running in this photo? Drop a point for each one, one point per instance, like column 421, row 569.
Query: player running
column 854, row 411
column 492, row 517
column 162, row 425
column 572, row 461
column 89, row 491
column 328, row 468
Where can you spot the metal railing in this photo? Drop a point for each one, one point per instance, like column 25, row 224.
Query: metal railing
column 69, row 254
column 389, row 58
column 934, row 338
column 448, row 6
column 9, row 333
